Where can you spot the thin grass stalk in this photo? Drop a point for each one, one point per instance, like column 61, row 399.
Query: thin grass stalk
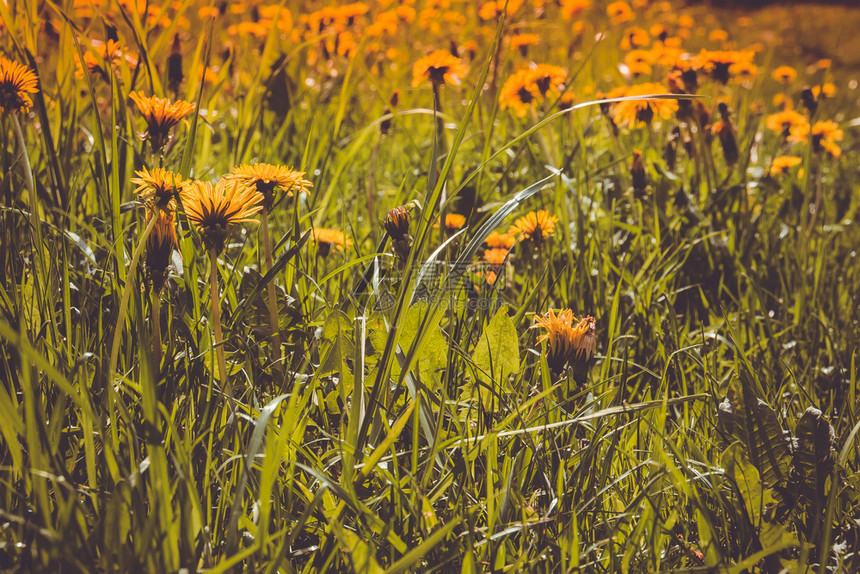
column 216, row 327
column 31, row 188
column 126, row 293
column 272, row 302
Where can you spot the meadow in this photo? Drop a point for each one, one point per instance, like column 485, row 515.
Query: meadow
column 425, row 286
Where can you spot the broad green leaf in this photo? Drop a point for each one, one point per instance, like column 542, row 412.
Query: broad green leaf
column 747, row 479
column 814, row 454
column 337, row 332
column 432, row 348
column 744, row 417
column 497, row 356
column 358, row 551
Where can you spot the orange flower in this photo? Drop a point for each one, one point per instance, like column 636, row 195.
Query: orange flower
column 454, row 221
column 536, row 226
column 496, row 240
column 825, row 134
column 325, row 239
column 213, row 209
column 521, row 42
column 619, row 13
column 441, row 67
column 635, row 38
column 784, row 74
column 17, row 82
column 158, row 188
column 161, row 116
column 496, row 257
column 781, row 164
column 494, row 8
column 719, row 63
column 571, row 9
column 641, row 112
column 566, row 342
column 266, row 177
column 786, row 121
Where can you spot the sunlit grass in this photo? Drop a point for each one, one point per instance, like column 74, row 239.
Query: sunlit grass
column 424, row 286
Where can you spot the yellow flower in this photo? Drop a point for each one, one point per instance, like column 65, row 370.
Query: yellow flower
column 441, row 67
column 325, row 239
column 619, row 13
column 566, row 342
column 518, row 93
column 158, row 188
column 827, row 90
column 784, row 74
column 521, row 42
column 536, row 226
column 454, row 221
column 265, row 177
column 825, row 134
column 571, row 9
column 785, row 121
column 161, row 115
column 719, row 63
column 635, row 38
column 213, row 209
column 496, row 240
column 640, row 112
column 496, row 257
column 17, row 82
column 494, row 8
column 781, row 164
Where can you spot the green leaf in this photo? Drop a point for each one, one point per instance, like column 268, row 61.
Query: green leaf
column 358, row 551
column 747, row 479
column 744, row 417
column 814, row 454
column 497, row 356
column 337, row 332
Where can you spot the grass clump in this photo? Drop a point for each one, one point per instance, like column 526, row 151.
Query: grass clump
column 551, row 286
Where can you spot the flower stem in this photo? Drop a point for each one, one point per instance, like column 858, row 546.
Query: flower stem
column 126, row 293
column 216, row 326
column 270, row 287
column 156, row 329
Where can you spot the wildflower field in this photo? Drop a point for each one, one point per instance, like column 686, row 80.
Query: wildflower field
column 425, row 285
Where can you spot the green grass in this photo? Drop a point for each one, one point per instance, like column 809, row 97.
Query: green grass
column 406, row 430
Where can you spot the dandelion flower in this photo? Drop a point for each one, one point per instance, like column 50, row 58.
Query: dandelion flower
column 266, row 177
column 496, row 240
column 566, row 342
column 784, row 74
column 619, row 13
column 17, row 82
column 213, row 209
column 571, row 9
column 518, row 93
column 824, row 134
column 158, row 188
column 496, row 257
column 536, row 226
column 454, row 222
column 161, row 116
column 642, row 112
column 441, row 67
column 325, row 239
column 785, row 121
column 781, row 164
column 397, row 222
